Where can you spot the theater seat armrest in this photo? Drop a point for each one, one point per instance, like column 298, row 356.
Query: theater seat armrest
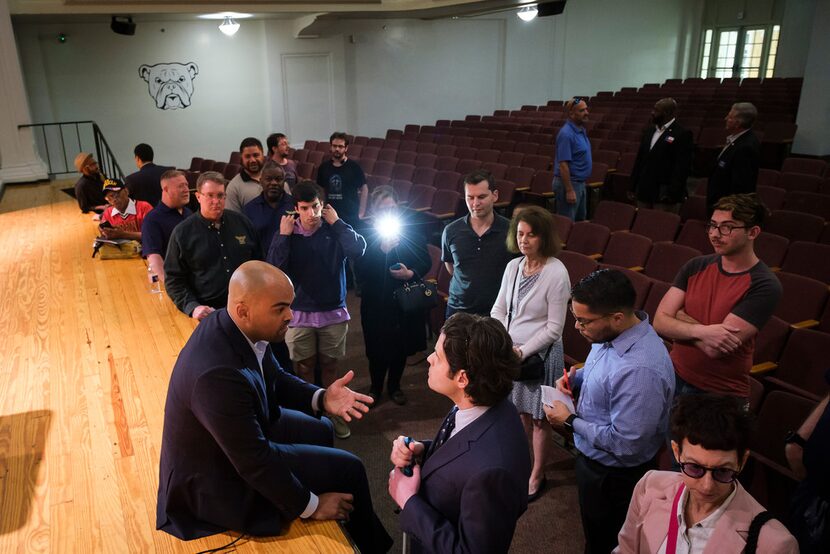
column 806, row 324
column 637, row 268
column 763, row 368
column 596, row 256
column 760, row 458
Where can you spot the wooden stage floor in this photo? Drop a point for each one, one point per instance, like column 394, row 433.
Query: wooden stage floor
column 86, row 357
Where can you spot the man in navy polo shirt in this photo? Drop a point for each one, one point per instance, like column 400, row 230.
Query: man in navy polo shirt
column 160, row 222
column 474, row 248
column 573, row 162
column 266, row 210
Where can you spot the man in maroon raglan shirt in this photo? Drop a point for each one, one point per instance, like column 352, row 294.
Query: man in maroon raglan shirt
column 718, row 303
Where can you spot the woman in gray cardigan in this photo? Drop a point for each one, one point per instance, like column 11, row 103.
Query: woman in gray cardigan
column 531, row 304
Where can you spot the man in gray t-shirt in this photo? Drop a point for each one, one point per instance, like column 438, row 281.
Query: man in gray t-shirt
column 474, row 250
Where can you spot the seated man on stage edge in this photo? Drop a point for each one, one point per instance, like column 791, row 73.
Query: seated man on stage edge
column 244, row 447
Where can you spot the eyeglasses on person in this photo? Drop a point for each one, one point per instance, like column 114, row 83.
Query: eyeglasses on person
column 719, row 474
column 724, row 229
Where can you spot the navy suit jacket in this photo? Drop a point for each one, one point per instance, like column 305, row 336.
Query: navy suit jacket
column 736, row 171
column 473, row 488
column 145, row 184
column 218, row 469
column 659, row 174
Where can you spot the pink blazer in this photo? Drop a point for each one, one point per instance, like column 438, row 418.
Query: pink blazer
column 647, row 523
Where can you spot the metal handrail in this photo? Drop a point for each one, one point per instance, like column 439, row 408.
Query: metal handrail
column 103, row 153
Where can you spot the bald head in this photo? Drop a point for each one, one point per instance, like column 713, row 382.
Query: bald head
column 259, row 300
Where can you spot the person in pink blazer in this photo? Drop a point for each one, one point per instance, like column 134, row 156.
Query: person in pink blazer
column 704, row 509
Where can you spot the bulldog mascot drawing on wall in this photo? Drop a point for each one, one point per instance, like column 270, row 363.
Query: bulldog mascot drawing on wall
column 170, row 84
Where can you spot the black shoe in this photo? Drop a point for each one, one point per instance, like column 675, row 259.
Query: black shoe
column 535, row 496
column 375, row 397
column 398, row 397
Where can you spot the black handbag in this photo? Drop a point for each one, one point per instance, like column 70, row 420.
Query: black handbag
column 416, row 296
column 533, row 367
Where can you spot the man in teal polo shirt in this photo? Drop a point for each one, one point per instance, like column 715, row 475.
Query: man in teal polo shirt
column 573, row 162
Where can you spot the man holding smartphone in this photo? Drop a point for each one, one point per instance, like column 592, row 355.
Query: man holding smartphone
column 312, row 248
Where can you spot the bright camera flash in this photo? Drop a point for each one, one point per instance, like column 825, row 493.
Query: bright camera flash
column 388, row 226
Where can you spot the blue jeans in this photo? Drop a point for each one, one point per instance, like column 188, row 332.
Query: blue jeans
column 577, row 211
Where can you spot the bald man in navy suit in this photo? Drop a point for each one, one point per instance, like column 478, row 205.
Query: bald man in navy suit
column 468, row 486
column 244, row 447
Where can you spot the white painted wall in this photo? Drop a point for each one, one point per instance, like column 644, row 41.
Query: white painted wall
column 94, row 75
column 814, row 108
column 794, row 44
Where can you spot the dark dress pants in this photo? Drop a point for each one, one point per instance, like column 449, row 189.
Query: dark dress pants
column 305, row 443
column 604, row 495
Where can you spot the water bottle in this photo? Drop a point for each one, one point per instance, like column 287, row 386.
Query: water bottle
column 155, row 286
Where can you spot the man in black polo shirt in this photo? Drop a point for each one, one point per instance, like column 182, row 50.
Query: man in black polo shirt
column 160, row 222
column 474, row 248
column 206, row 249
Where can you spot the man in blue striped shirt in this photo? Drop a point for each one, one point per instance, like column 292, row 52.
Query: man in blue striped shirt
column 624, row 392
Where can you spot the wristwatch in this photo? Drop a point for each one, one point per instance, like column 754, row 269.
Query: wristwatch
column 569, row 423
column 794, row 438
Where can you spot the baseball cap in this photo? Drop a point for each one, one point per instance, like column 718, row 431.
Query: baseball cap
column 112, row 185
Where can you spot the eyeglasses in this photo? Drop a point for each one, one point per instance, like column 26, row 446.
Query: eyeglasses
column 583, row 322
column 724, row 229
column 719, row 474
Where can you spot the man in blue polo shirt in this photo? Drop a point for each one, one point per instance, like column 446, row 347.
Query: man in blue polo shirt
column 573, row 162
column 266, row 210
column 160, row 222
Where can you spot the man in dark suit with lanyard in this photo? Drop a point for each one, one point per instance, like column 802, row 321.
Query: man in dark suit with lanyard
column 736, row 171
column 663, row 161
column 243, row 447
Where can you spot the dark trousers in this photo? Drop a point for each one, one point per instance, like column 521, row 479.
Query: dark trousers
column 391, row 365
column 604, row 495
column 305, row 443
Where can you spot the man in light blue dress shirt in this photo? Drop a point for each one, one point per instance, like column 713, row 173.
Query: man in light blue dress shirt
column 624, row 392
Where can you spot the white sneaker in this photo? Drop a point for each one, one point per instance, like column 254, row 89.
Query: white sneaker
column 341, row 430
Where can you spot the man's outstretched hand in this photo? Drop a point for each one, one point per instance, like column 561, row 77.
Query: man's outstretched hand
column 342, row 401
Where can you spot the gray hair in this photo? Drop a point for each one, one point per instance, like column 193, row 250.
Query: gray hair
column 213, row 176
column 745, row 113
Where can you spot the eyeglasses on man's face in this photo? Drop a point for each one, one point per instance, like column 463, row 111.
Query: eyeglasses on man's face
column 724, row 229
column 583, row 322
column 720, row 474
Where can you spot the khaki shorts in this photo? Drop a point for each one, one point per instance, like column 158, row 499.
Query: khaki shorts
column 305, row 342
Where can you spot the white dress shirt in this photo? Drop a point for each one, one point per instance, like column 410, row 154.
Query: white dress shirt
column 658, row 132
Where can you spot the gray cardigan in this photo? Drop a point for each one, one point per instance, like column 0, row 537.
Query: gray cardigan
column 539, row 318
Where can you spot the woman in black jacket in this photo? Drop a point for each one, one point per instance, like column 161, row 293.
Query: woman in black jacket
column 396, row 253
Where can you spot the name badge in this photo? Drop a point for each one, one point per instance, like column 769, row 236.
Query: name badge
column 722, row 163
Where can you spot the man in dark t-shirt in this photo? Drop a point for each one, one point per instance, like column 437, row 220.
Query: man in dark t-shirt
column 718, row 303
column 344, row 182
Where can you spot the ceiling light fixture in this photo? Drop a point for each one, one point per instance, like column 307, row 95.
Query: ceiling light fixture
column 528, row 13
column 229, row 27
column 222, row 15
